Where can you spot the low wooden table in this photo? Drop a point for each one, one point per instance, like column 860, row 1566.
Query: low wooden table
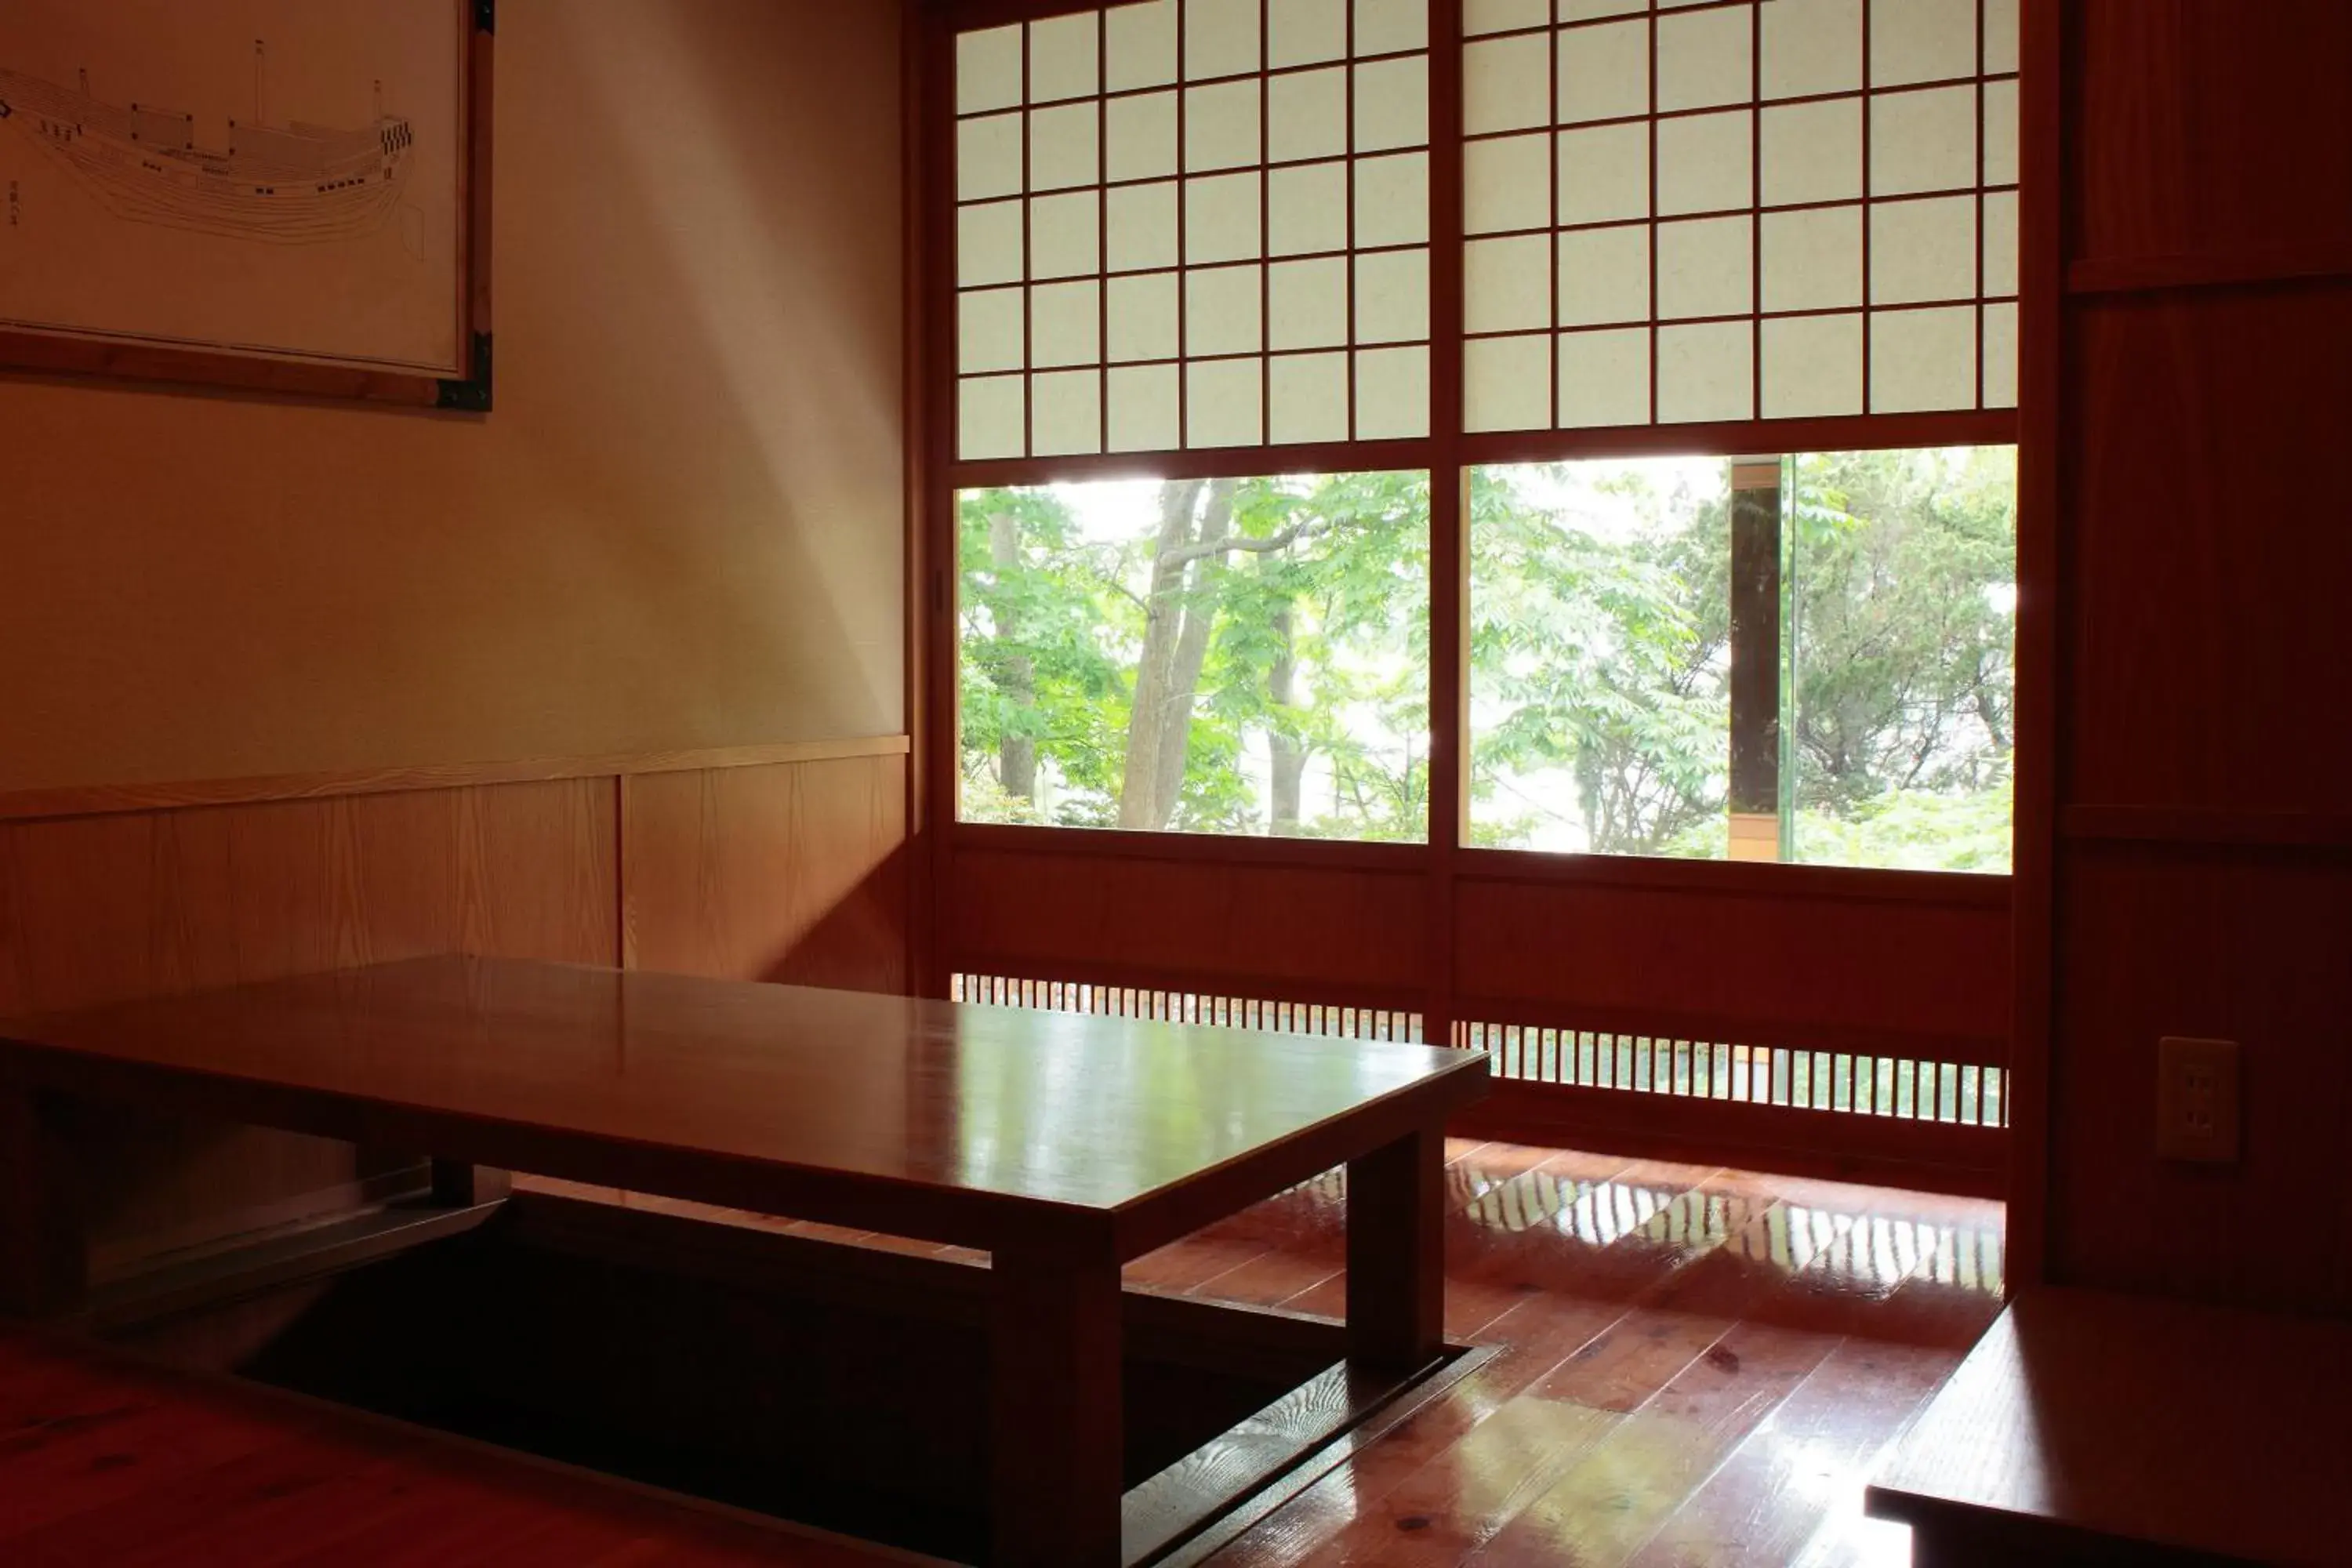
column 2089, row 1428
column 1062, row 1145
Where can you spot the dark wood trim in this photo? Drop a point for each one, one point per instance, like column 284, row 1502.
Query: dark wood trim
column 467, row 393
column 2040, row 440
column 2317, row 831
column 1449, row 517
column 935, row 587
column 1191, row 848
column 2254, row 267
column 1870, row 432
column 917, row 175
column 1735, row 878
column 1858, row 432
column 1925, row 1156
column 1197, row 463
column 1958, row 890
column 106, row 800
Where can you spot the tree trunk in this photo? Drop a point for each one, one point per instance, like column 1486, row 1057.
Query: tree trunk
column 1290, row 752
column 1180, row 613
column 1016, row 677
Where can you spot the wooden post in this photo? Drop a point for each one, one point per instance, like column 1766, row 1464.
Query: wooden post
column 43, row 1263
column 1396, row 1252
column 1057, row 1441
column 1756, row 658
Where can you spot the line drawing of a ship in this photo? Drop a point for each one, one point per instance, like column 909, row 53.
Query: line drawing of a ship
column 297, row 184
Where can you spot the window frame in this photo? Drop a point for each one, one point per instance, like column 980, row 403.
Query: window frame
column 938, row 474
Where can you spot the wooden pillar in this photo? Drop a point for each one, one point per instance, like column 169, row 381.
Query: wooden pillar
column 1396, row 1252
column 1756, row 658
column 44, row 1261
column 1058, row 1445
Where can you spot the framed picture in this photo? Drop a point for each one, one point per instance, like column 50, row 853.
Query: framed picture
column 280, row 195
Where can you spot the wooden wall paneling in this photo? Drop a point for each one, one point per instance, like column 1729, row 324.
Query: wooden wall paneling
column 2209, row 127
column 792, row 874
column 2165, row 939
column 111, row 908
column 2200, row 885
column 1747, row 968
column 2206, row 561
column 1208, row 924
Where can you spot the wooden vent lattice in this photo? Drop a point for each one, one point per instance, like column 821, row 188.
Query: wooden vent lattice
column 1847, row 1083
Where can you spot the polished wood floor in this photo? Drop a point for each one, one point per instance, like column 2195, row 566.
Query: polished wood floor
column 1701, row 1367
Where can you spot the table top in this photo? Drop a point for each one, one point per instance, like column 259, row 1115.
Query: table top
column 2190, row 1427
column 749, row 1093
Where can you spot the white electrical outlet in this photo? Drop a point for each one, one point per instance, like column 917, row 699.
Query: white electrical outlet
column 2197, row 1100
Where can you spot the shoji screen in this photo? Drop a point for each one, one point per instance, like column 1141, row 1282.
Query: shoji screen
column 1738, row 209
column 1193, row 224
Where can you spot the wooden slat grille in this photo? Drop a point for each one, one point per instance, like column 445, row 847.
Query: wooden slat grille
column 1860, row 1085
column 1188, row 1007
column 1898, row 1087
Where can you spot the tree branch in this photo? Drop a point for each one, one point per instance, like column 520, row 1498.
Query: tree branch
column 1186, row 555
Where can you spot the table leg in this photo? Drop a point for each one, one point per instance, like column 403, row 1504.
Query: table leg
column 43, row 1264
column 1396, row 1252
column 1056, row 1436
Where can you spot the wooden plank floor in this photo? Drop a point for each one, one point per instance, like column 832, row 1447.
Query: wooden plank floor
column 1702, row 1367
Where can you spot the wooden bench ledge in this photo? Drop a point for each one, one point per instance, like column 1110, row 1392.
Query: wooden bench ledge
column 2092, row 1427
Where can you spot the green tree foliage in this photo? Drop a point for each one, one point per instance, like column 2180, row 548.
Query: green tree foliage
column 1250, row 657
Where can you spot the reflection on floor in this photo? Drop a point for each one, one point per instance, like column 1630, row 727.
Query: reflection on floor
column 1704, row 1366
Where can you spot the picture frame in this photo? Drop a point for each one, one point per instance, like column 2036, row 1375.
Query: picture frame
column 198, row 197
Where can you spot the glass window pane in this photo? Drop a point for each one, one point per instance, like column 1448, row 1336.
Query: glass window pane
column 1901, row 670
column 1599, row 656
column 1224, row 656
column 1810, row 658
